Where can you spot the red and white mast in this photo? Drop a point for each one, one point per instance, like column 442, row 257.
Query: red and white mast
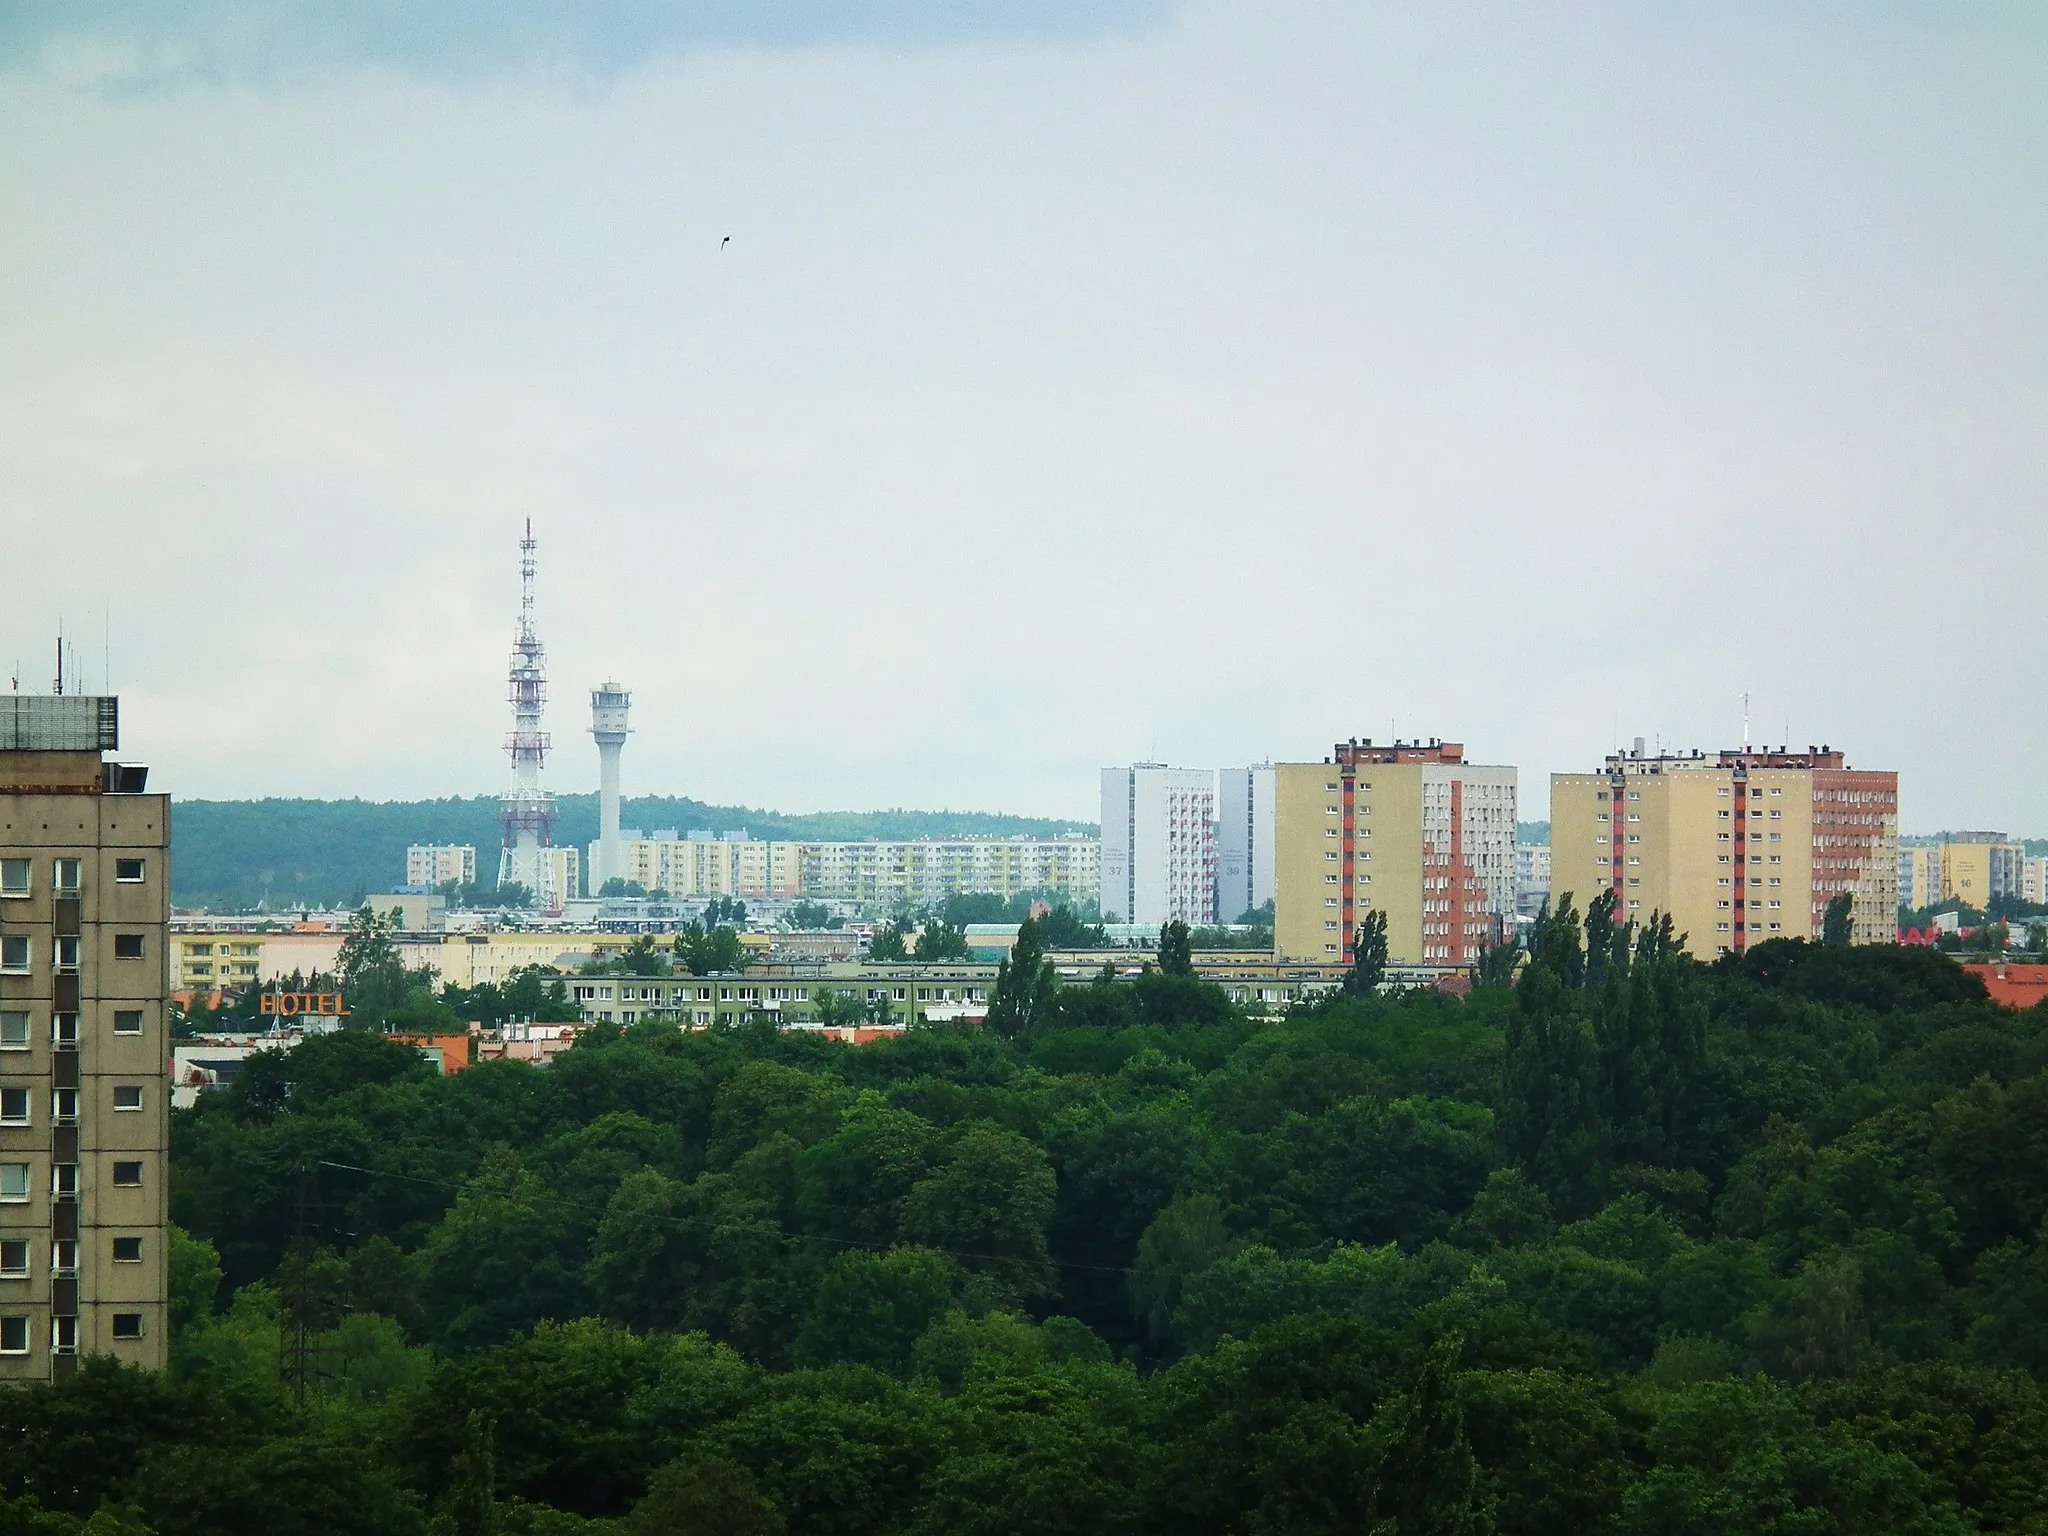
column 528, row 814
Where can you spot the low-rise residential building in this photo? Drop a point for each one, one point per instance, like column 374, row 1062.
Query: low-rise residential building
column 215, row 1059
column 214, row 962
column 899, row 995
column 419, row 911
column 2017, row 985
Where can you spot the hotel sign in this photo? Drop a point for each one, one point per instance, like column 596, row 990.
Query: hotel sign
column 288, row 1004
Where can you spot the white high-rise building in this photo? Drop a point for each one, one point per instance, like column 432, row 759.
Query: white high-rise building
column 2034, row 881
column 1159, row 844
column 1244, row 840
column 435, row 864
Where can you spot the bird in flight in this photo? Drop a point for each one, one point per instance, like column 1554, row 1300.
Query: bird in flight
column 725, row 242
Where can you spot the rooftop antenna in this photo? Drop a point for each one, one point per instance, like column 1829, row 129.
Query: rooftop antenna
column 60, row 658
column 1745, row 722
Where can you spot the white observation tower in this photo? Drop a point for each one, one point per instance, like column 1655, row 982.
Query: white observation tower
column 608, row 706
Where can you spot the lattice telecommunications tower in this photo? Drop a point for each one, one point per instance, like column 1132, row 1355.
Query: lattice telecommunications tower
column 528, row 813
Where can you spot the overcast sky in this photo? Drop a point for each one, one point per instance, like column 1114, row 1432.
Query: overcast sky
column 1082, row 382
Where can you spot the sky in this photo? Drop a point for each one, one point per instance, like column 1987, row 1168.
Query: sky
column 1080, row 383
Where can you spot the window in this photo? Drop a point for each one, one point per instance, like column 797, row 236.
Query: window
column 64, row 1180
column 64, row 1030
column 13, row 1106
column 14, row 877
column 64, row 954
column 127, row 1021
column 14, row 1258
column 128, row 1175
column 128, row 871
column 127, row 1250
column 13, row 1335
column 66, row 876
column 64, row 1105
column 128, row 1096
column 64, row 1256
column 127, row 1325
column 127, row 946
column 64, row 1335
column 14, row 953
column 14, row 1030
column 14, row 1183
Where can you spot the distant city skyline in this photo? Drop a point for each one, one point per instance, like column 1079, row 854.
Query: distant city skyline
column 1080, row 385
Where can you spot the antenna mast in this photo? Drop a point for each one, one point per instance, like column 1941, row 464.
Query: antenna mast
column 528, row 813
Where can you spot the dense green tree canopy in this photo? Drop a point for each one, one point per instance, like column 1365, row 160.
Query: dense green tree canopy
column 1616, row 1243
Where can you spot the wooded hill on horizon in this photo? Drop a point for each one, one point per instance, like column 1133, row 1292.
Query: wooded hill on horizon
column 237, row 853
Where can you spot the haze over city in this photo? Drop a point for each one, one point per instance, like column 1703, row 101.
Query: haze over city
column 928, row 411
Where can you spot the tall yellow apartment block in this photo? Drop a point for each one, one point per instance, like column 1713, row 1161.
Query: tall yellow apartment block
column 1411, row 830
column 1737, row 848
column 84, row 1096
